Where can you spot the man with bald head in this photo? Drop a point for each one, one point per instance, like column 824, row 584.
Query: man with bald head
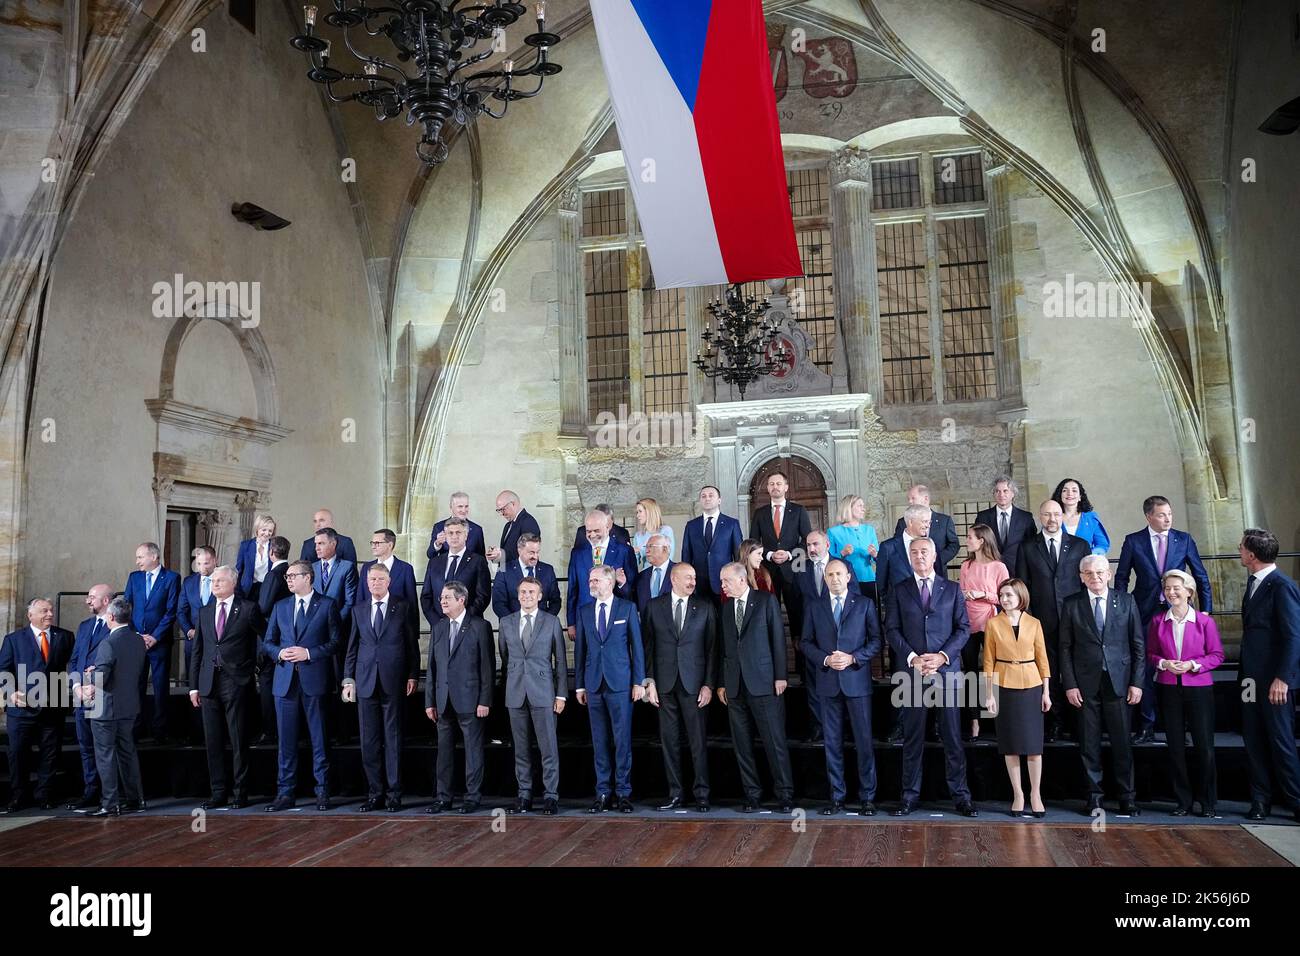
column 942, row 530
column 518, row 522
column 599, row 549
column 90, row 634
column 226, row 644
column 33, row 665
column 346, row 551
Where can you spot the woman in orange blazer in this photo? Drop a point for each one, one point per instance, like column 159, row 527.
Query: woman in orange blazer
column 1016, row 675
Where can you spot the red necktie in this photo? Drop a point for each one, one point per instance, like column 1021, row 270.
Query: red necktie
column 776, row 520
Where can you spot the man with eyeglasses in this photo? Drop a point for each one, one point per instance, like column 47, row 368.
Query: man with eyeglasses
column 518, row 523
column 401, row 576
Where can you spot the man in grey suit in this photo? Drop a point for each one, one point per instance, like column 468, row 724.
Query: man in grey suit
column 536, row 669
column 458, row 691
column 111, row 693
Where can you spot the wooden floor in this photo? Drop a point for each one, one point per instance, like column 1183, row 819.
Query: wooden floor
column 574, row 841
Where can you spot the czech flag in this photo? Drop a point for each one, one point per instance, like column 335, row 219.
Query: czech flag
column 691, row 84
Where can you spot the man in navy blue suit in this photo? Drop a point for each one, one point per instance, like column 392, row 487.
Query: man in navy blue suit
column 302, row 637
column 90, row 634
column 711, row 541
column 1151, row 552
column 401, row 576
column 254, row 557
column 943, row 532
column 893, row 567
column 518, row 522
column 613, row 531
column 926, row 625
column 196, row 592
column 1011, row 526
column 654, row 579
column 33, row 668
column 438, row 542
column 344, row 548
column 333, row 576
column 609, row 669
column 1270, row 670
column 154, row 593
column 841, row 635
column 457, row 563
column 598, row 550
column 505, row 587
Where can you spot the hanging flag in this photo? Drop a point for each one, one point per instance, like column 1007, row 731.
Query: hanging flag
column 691, row 84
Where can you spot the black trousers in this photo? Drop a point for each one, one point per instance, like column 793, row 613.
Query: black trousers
column 677, row 711
column 972, row 662
column 225, row 714
column 1268, row 731
column 1062, row 714
column 766, row 717
column 954, row 754
column 1113, row 709
column 381, row 721
column 266, row 696
column 1189, row 708
column 793, row 600
column 471, row 731
column 44, row 730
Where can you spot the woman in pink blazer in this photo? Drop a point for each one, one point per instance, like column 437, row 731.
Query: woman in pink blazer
column 1183, row 648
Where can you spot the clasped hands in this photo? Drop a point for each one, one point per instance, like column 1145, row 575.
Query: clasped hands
column 928, row 664
column 839, row 661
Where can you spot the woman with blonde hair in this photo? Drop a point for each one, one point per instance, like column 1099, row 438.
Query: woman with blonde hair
column 253, row 559
column 751, row 556
column 1016, row 692
column 650, row 522
column 854, row 542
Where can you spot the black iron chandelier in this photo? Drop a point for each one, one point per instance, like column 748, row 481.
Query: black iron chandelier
column 745, row 346
column 438, row 37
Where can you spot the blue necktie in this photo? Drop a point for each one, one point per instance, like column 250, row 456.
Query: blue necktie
column 205, row 590
column 838, row 608
column 148, row 584
column 324, row 576
column 657, row 583
column 708, row 534
column 602, row 626
column 1097, row 615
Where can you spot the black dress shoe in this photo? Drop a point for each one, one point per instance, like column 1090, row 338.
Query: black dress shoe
column 1146, row 735
column 85, row 803
column 676, row 803
column 1093, row 804
column 1129, row 808
column 895, row 735
column 1258, row 811
column 1210, row 813
column 105, row 812
column 787, row 806
column 521, row 806
column 625, row 805
column 323, row 804
column 394, row 805
column 867, row 809
column 817, row 737
column 749, row 806
column 138, row 807
column 13, row 806
column 1179, row 812
column 374, row 803
column 1038, row 814
column 601, row 805
column 279, row 803
column 1050, row 735
column 837, row 806
column 213, row 803
column 903, row 809
column 702, row 806
column 550, row 808
column 470, row 806
column 967, row 809
column 438, row 806
column 49, row 805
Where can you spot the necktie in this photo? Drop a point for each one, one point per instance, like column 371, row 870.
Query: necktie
column 95, row 631
column 1250, row 589
column 1161, row 553
column 657, row 582
column 776, row 520
column 708, row 534
column 925, row 594
column 526, row 635
column 679, row 615
column 45, row 647
column 221, row 621
column 1097, row 616
column 325, row 576
column 148, row 584
column 602, row 625
column 302, row 609
column 451, row 567
column 1002, row 527
column 599, row 556
column 378, row 622
column 528, row 571
column 1051, row 552
column 839, row 606
column 451, row 643
column 205, row 590
column 740, row 614
column 821, row 576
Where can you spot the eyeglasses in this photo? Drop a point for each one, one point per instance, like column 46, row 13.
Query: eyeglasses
column 376, row 544
column 297, row 574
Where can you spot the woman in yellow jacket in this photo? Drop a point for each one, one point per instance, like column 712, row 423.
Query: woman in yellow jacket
column 1016, row 675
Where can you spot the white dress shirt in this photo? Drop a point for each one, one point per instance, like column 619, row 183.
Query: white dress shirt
column 1179, row 626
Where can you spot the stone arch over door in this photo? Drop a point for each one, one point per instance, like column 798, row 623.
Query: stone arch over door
column 807, row 488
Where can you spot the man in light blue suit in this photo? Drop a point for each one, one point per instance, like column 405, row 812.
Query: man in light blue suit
column 711, row 541
column 154, row 593
column 90, row 634
column 599, row 549
column 609, row 669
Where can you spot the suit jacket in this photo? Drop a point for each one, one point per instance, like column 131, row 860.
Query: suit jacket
column 318, row 632
column 463, row 674
column 619, row 659
column 912, row 630
column 21, row 652
column 1020, row 529
column 536, row 675
column 505, row 588
column 1003, row 647
column 191, row 602
column 795, row 526
column 471, row 571
column 708, row 561
column 473, row 540
column 387, row 660
column 641, row 593
column 346, row 550
column 157, row 614
column 753, row 657
column 1201, row 644
column 617, row 555
column 509, row 543
column 84, row 647
column 342, row 587
column 893, row 565
column 806, row 580
column 944, row 535
column 237, row 649
column 246, row 565
column 1048, row 588
column 1180, row 554
column 274, row 589
column 1121, row 644
column 689, row 658
column 1270, row 633
column 858, row 633
column 617, row 533
column 401, row 585
column 119, row 662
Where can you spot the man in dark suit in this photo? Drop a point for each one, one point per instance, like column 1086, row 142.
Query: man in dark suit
column 226, row 645
column 893, row 561
column 90, row 634
column 1011, row 526
column 518, row 522
column 1270, row 670
column 598, row 550
column 253, row 559
column 113, row 699
column 942, row 530
column 1103, row 659
column 401, row 575
column 457, row 563
column 810, row 579
column 609, row 669
column 782, row 527
column 271, row 591
column 302, row 637
column 528, row 564
column 612, row 531
column 196, row 592
column 458, row 693
column 926, row 625
column 841, row 635
column 33, row 668
column 1151, row 552
column 535, row 668
column 438, row 542
column 679, row 629
column 751, row 682
column 383, row 662
column 154, row 593
column 344, row 548
column 337, row 580
column 1049, row 566
column 654, row 579
column 710, row 541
